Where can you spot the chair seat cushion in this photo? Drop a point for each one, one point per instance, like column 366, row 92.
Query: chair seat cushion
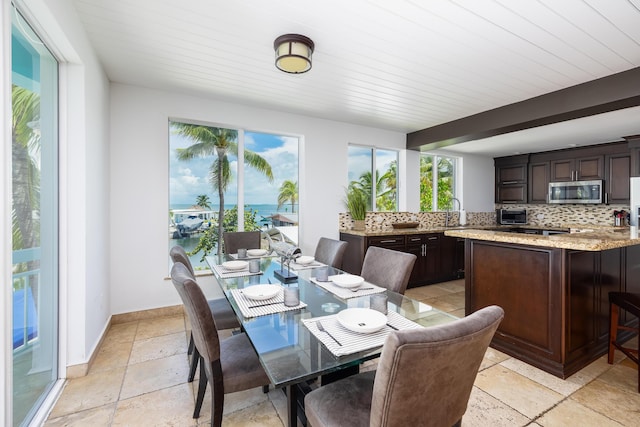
column 223, row 314
column 343, row 403
column 627, row 301
column 241, row 368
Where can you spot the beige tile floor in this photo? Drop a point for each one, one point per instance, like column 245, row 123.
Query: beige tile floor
column 139, row 379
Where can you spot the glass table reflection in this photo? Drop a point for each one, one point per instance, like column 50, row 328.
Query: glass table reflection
column 288, row 351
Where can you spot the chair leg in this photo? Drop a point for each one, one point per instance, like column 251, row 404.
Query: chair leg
column 217, row 394
column 194, row 364
column 202, row 388
column 614, row 311
column 265, row 389
column 458, row 423
column 191, row 345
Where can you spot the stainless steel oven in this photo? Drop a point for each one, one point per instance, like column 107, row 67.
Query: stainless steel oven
column 576, row 192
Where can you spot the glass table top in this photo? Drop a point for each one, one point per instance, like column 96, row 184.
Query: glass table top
column 288, row 351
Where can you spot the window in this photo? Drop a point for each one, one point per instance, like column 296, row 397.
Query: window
column 368, row 165
column 249, row 179
column 437, row 182
column 34, row 148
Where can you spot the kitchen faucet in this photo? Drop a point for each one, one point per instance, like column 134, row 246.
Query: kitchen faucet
column 449, row 209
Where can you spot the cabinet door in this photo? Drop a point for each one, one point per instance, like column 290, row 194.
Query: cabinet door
column 512, row 174
column 580, row 168
column 562, row 170
column 418, row 272
column 538, row 182
column 511, row 193
column 618, row 172
column 590, row 168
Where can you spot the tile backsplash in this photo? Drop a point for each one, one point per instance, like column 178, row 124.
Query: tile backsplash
column 538, row 215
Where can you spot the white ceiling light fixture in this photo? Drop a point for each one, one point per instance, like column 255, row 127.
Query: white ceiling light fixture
column 293, row 53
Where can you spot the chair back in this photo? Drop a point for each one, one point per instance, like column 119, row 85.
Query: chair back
column 330, row 251
column 425, row 376
column 178, row 254
column 240, row 239
column 203, row 327
column 388, row 268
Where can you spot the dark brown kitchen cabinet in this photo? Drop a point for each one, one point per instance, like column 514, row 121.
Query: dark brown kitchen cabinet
column 438, row 258
column 577, row 169
column 538, row 182
column 555, row 301
column 618, row 172
column 428, row 268
column 511, row 179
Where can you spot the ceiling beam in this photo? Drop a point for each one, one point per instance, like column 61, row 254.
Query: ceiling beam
column 614, row 92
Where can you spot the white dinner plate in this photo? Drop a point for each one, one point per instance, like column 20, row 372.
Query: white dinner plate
column 304, row 260
column 347, row 280
column 256, row 252
column 260, row 292
column 362, row 320
column 235, row 265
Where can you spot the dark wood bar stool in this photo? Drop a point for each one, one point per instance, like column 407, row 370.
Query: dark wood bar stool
column 631, row 303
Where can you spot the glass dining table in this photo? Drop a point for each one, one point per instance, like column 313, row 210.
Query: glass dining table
column 289, row 352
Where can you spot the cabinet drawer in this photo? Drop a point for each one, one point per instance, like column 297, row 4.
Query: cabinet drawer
column 419, row 239
column 391, row 242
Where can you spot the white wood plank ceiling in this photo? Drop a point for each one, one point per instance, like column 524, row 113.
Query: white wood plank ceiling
column 402, row 65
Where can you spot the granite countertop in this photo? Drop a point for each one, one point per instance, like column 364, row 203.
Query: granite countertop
column 584, row 237
column 590, row 238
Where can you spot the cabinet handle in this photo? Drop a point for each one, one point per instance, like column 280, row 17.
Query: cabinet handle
column 414, row 239
column 432, row 238
column 606, row 198
column 509, row 182
column 424, row 250
column 388, row 241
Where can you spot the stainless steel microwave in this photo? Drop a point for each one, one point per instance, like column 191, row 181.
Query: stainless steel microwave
column 576, row 192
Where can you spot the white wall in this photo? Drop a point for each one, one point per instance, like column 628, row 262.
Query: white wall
column 139, row 180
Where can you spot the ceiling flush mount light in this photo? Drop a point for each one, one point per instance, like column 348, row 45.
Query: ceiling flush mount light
column 293, row 53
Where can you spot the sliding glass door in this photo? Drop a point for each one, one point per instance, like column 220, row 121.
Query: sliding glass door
column 34, row 147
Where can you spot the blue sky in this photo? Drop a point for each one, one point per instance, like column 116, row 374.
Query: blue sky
column 189, row 179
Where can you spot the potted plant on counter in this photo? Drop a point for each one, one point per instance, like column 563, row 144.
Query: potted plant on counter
column 356, row 204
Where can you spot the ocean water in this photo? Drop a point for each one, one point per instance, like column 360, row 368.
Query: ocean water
column 262, row 209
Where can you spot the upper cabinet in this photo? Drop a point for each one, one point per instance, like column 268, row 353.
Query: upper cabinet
column 576, row 169
column 526, row 178
column 618, row 172
column 511, row 179
column 538, row 181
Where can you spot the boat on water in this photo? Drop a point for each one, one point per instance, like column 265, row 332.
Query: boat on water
column 189, row 224
column 184, row 222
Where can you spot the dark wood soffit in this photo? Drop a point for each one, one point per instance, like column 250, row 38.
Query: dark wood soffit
column 614, row 92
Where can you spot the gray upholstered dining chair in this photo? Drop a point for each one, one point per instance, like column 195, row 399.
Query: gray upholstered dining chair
column 330, row 251
column 424, row 378
column 388, row 268
column 234, row 240
column 222, row 311
column 229, row 365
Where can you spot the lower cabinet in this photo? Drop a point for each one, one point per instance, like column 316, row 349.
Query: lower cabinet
column 439, row 258
column 556, row 301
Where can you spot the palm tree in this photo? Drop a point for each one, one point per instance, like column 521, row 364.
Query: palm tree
column 25, row 144
column 219, row 142
column 288, row 193
column 25, row 148
column 203, row 201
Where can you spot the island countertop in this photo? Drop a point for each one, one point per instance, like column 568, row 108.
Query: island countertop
column 594, row 239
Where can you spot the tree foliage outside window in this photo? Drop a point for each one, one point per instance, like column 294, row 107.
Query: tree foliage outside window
column 441, row 198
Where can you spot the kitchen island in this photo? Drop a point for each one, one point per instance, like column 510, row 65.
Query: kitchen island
column 553, row 289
